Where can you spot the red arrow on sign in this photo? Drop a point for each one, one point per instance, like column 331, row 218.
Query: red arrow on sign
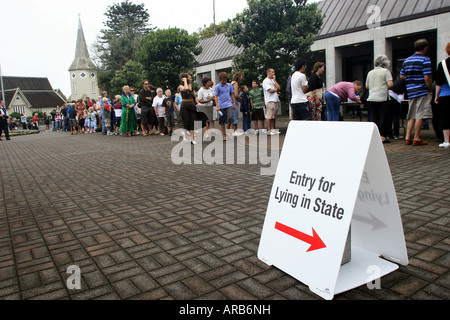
column 315, row 241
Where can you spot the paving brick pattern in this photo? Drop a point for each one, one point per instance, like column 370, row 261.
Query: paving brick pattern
column 140, row 227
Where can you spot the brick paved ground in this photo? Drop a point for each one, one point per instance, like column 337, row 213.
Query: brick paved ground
column 140, row 227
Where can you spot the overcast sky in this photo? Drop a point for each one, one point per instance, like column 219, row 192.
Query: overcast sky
column 38, row 38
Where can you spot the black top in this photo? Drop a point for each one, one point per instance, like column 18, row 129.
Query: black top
column 143, row 95
column 399, row 86
column 315, row 82
column 441, row 79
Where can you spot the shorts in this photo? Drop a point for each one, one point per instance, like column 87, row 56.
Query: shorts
column 73, row 124
column 107, row 122
column 170, row 119
column 258, row 114
column 227, row 116
column 236, row 114
column 301, row 111
column 271, row 110
column 420, row 108
column 208, row 111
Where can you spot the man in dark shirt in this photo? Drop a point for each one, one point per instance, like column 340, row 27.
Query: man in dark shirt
column 72, row 113
column 65, row 118
column 146, row 101
column 4, row 121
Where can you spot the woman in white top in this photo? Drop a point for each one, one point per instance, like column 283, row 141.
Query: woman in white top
column 206, row 103
column 379, row 81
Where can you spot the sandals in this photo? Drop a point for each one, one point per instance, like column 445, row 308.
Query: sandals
column 415, row 142
column 419, row 143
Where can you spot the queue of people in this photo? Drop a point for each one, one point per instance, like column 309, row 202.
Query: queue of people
column 153, row 112
column 311, row 101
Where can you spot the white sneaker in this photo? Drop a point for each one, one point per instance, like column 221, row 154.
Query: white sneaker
column 445, row 145
column 271, row 133
column 256, row 132
column 237, row 134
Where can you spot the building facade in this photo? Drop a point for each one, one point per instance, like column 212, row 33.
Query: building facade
column 216, row 57
column 29, row 95
column 83, row 72
column 353, row 34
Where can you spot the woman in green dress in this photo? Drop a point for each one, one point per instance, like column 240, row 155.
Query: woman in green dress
column 128, row 122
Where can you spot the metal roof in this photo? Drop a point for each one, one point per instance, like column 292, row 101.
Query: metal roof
column 340, row 17
column 26, row 83
column 346, row 16
column 217, row 49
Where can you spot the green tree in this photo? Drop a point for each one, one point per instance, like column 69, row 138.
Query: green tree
column 274, row 34
column 165, row 53
column 208, row 32
column 126, row 23
column 131, row 74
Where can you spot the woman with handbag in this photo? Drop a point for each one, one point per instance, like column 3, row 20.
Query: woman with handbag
column 443, row 97
column 315, row 90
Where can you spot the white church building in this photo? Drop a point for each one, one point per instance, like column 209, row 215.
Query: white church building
column 83, row 72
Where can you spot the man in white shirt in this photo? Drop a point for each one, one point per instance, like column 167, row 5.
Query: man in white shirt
column 271, row 87
column 301, row 108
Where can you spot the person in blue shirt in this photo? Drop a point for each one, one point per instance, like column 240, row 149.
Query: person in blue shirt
column 104, row 95
column 225, row 103
column 419, row 84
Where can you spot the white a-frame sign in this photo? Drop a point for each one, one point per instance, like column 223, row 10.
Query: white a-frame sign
column 333, row 220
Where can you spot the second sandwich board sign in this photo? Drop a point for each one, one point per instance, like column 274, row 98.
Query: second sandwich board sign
column 333, row 212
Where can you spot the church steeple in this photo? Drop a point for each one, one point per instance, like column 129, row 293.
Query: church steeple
column 83, row 72
column 82, row 60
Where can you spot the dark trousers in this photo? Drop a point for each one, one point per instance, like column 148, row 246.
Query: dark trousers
column 4, row 128
column 379, row 113
column 394, row 118
column 437, row 121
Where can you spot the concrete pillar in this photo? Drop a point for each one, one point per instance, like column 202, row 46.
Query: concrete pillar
column 333, row 64
column 382, row 45
column 443, row 36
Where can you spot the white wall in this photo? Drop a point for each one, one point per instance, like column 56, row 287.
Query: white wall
column 381, row 39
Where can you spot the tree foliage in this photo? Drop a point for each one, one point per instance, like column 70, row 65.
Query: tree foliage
column 208, row 32
column 131, row 74
column 165, row 53
column 118, row 43
column 274, row 34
